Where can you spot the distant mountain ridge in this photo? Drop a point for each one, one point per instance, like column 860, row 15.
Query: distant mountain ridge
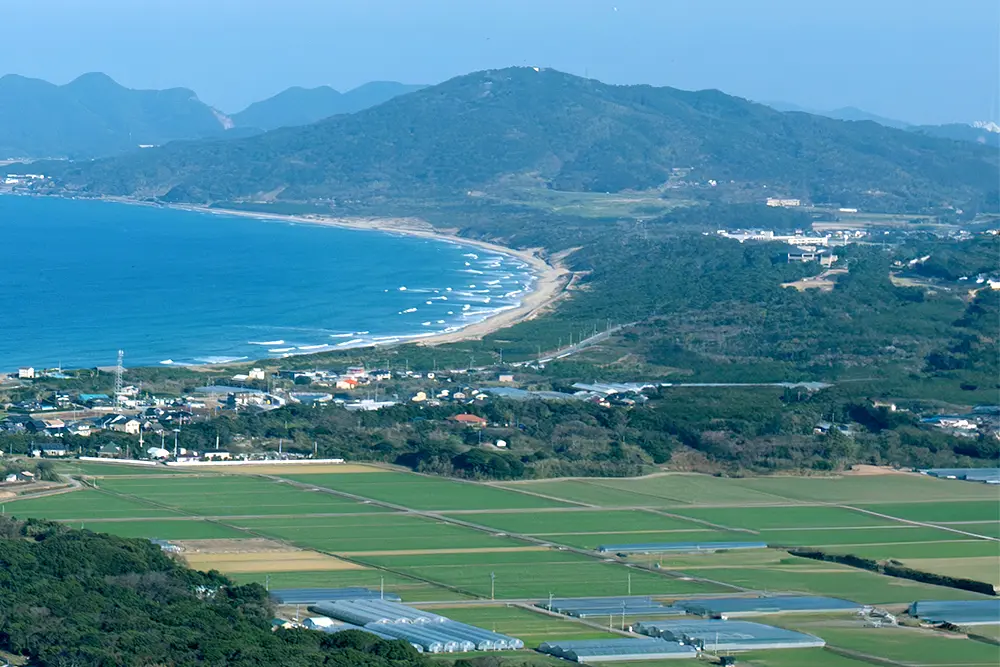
column 94, row 116
column 981, row 132
column 301, row 106
column 555, row 130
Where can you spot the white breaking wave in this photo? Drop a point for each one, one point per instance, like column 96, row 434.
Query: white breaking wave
column 351, row 342
column 266, row 342
column 279, row 350
column 312, row 347
column 408, row 310
column 342, row 335
column 167, row 362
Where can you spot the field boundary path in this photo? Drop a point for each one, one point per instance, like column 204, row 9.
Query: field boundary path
column 922, row 524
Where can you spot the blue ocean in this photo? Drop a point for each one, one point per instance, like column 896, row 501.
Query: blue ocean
column 82, row 279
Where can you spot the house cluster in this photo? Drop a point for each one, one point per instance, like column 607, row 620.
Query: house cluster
column 983, row 420
column 799, row 238
column 22, row 179
column 153, row 420
column 348, row 380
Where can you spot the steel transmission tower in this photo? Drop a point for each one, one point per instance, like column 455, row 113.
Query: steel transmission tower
column 119, row 373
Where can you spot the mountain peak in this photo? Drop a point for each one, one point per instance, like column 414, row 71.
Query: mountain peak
column 94, row 80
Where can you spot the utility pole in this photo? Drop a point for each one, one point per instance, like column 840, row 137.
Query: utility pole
column 630, row 583
column 381, row 587
column 493, row 584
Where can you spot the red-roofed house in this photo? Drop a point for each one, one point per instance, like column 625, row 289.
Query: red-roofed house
column 470, row 420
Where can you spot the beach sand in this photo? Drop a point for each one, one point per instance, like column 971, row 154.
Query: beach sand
column 551, row 274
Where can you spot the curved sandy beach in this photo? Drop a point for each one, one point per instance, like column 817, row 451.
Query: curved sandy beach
column 551, row 274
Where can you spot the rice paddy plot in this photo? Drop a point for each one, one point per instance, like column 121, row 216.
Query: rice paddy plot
column 375, row 533
column 942, row 512
column 852, row 490
column 693, row 489
column 235, row 496
column 580, row 521
column 802, row 516
column 411, row 590
column 186, row 529
column 531, row 627
column 905, row 645
column 536, row 574
column 830, row 579
column 426, row 493
column 84, row 504
column 594, row 540
column 897, row 534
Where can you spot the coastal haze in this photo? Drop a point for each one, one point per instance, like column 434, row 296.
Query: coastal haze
column 382, row 333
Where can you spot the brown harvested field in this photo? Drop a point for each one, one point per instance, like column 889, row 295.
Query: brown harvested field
column 432, row 552
column 863, row 470
column 290, row 469
column 980, row 568
column 256, row 555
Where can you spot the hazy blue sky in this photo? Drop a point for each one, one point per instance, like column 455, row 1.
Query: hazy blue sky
column 918, row 60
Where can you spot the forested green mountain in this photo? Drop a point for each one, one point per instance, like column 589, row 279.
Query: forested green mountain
column 94, row 116
column 519, row 125
column 72, row 597
column 301, row 106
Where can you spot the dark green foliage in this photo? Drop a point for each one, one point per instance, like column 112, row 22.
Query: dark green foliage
column 70, row 597
column 560, row 131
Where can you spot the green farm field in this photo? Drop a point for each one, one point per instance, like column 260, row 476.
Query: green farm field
column 957, row 549
column 908, row 646
column 797, row 517
column 84, row 504
column 595, row 540
column 942, row 512
column 186, row 529
column 530, row 626
column 411, row 590
column 854, row 490
column 579, row 521
column 94, row 469
column 825, row 537
column 235, row 496
column 375, row 533
column 537, row 573
column 426, row 493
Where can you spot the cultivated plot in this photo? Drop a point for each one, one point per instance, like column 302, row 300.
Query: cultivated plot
column 531, row 627
column 979, row 568
column 910, row 646
column 235, row 496
column 805, row 657
column 576, row 522
column 83, row 504
column 411, row 590
column 796, row 517
column 830, row 579
column 867, row 489
column 376, row 533
column 535, row 574
column 184, row 529
column 426, row 493
column 942, row 512
column 960, row 548
column 880, row 535
column 663, row 490
column 94, row 469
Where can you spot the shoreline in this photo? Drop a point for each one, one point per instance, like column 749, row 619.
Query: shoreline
column 551, row 275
